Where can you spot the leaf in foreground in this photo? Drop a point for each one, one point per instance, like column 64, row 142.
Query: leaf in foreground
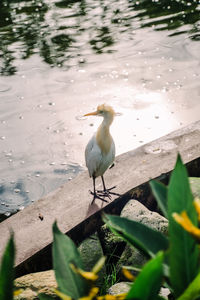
column 65, row 253
column 138, row 235
column 148, row 283
column 193, row 290
column 183, row 254
column 7, row 271
column 160, row 192
column 45, row 297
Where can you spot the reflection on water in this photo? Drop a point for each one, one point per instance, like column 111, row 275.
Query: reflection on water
column 65, row 33
column 176, row 16
column 16, row 195
column 60, row 59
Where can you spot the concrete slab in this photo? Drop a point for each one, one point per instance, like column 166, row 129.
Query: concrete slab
column 71, row 205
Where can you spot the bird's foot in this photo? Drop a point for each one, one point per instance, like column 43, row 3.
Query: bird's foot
column 97, row 195
column 108, row 193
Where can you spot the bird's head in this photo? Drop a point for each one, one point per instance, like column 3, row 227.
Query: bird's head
column 103, row 110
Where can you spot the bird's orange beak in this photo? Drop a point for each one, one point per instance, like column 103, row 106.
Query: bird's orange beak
column 91, row 114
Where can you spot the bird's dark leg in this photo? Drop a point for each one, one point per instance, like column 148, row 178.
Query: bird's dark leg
column 94, row 193
column 104, row 186
column 106, row 192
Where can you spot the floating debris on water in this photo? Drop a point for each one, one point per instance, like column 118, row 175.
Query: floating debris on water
column 52, row 103
column 8, row 154
column 21, row 208
column 81, row 60
column 7, row 214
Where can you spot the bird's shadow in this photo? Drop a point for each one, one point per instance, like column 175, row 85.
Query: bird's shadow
column 94, row 207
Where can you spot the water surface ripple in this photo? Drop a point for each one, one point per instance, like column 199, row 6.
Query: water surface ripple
column 59, row 59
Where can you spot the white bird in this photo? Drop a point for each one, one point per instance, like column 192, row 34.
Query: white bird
column 100, row 150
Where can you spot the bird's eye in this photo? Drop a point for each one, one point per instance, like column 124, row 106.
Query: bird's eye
column 101, row 111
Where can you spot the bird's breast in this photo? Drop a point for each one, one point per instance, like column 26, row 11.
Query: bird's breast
column 104, row 140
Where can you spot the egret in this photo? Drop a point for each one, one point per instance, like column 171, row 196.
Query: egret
column 100, row 150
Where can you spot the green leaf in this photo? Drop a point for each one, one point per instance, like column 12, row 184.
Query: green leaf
column 64, row 254
column 45, row 297
column 160, row 193
column 138, row 235
column 7, row 271
column 193, row 290
column 148, row 283
column 183, row 254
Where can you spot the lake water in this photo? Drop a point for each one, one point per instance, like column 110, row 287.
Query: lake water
column 60, row 59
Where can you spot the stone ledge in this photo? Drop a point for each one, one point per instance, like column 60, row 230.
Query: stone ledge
column 71, row 205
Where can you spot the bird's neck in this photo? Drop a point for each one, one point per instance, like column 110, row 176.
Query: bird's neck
column 103, row 136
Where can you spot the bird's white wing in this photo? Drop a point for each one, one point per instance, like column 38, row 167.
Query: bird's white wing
column 93, row 156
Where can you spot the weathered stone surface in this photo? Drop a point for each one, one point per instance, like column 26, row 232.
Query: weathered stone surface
column 110, row 239
column 32, row 284
column 71, row 205
column 195, row 186
column 119, row 288
column 134, row 210
column 91, row 251
column 123, row 287
column 131, row 257
column 113, row 244
column 164, row 292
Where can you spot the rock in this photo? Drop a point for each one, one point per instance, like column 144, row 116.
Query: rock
column 91, row 251
column 131, row 257
column 195, row 186
column 110, row 240
column 113, row 244
column 44, row 282
column 119, row 288
column 32, row 284
column 123, row 287
column 136, row 211
column 164, row 292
